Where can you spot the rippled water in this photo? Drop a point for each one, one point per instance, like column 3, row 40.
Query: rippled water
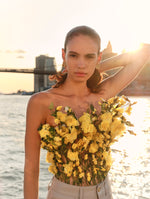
column 130, row 173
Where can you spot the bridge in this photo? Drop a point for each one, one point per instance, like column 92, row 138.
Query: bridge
column 32, row 70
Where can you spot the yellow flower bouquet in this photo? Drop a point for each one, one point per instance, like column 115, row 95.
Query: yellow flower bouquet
column 79, row 149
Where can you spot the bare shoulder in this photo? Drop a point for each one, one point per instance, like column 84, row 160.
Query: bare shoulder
column 38, row 108
column 41, row 98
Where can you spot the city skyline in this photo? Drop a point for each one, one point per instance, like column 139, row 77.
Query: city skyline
column 32, row 28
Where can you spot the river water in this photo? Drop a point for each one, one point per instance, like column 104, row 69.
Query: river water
column 130, row 173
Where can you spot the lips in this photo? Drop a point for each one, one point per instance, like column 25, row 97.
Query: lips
column 80, row 74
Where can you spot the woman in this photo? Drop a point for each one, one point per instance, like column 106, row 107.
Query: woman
column 78, row 87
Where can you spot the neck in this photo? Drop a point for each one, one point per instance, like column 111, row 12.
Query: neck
column 78, row 89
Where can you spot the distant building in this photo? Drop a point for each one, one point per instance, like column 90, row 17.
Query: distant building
column 42, row 82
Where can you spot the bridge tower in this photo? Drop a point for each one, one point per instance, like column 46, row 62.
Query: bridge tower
column 43, row 62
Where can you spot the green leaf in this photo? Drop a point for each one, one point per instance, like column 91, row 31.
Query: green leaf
column 128, row 123
column 40, row 127
column 51, row 106
column 92, row 107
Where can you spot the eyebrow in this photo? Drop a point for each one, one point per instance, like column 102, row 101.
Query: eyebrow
column 91, row 54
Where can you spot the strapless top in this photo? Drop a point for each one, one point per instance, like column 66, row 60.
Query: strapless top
column 79, row 150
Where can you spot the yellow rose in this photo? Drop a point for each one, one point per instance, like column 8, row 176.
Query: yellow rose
column 88, row 128
column 57, row 139
column 120, row 109
column 93, row 147
column 57, row 144
column 106, row 121
column 80, row 169
column 106, row 116
column 94, row 159
column 59, row 108
column 94, row 118
column 86, row 141
column 71, row 137
column 44, row 131
column 49, row 146
column 57, row 154
column 73, row 156
column 111, row 100
column 74, row 146
column 88, row 176
column 77, row 163
column 109, row 161
column 128, row 110
column 121, row 100
column 117, row 128
column 49, row 157
column 63, row 131
column 68, row 168
column 86, row 157
column 43, row 144
column 75, row 173
column 56, row 121
column 98, row 137
column 105, row 154
column 83, row 142
column 107, row 136
column 99, row 103
column 52, row 168
column 95, row 170
column 71, row 121
column 81, row 175
column 61, row 116
column 104, row 125
column 108, row 158
column 103, row 169
column 85, row 118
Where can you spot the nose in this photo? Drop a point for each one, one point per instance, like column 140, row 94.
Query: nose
column 81, row 63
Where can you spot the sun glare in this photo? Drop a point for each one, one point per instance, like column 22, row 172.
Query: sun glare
column 132, row 47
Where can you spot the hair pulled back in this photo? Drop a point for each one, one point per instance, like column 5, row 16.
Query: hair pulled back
column 94, row 81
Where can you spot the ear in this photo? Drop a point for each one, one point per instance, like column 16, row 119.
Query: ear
column 63, row 54
column 99, row 57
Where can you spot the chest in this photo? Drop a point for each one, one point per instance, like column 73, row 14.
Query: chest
column 78, row 105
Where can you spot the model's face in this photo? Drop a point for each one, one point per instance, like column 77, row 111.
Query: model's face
column 81, row 57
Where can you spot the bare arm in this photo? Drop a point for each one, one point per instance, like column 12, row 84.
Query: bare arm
column 35, row 117
column 131, row 63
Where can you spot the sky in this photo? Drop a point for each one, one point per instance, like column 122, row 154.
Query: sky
column 31, row 28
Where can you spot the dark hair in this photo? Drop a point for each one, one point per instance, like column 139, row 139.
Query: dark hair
column 83, row 30
column 94, row 81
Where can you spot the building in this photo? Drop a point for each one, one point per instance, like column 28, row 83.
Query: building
column 42, row 82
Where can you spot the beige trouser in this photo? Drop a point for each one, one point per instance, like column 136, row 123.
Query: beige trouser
column 60, row 190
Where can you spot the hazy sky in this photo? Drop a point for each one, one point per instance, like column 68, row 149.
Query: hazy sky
column 29, row 28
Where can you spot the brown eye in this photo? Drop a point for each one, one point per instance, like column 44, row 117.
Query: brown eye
column 90, row 57
column 72, row 55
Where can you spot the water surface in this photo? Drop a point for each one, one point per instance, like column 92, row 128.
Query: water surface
column 130, row 173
